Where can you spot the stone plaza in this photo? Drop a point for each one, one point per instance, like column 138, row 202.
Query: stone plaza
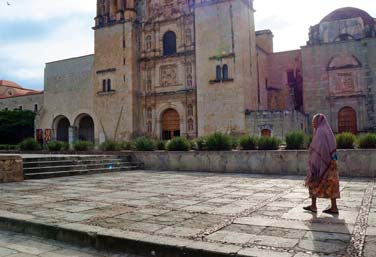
column 190, row 214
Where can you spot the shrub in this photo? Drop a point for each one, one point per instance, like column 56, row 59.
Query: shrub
column 126, row 145
column 16, row 125
column 110, row 145
column 218, row 142
column 201, row 144
column 307, row 141
column 345, row 140
column 83, row 145
column 248, row 142
column 144, row 144
column 295, row 140
column 367, row 141
column 8, row 147
column 161, row 145
column 179, row 144
column 268, row 143
column 234, row 141
column 57, row 146
column 29, row 144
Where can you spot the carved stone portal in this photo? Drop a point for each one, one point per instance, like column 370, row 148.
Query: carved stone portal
column 169, row 75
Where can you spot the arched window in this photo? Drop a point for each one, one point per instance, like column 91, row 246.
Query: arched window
column 169, row 43
column 104, row 85
column 190, row 125
column 148, row 43
column 149, row 113
column 225, row 72
column 188, row 37
column 109, row 85
column 189, row 81
column 218, row 73
column 190, row 110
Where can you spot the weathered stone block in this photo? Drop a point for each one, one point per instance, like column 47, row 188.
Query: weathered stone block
column 11, row 169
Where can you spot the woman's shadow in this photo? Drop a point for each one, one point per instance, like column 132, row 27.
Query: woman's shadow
column 328, row 234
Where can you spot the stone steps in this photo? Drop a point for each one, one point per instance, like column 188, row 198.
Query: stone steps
column 33, row 164
column 61, row 166
column 57, row 174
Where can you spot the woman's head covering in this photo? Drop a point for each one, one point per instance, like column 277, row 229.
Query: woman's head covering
column 322, row 148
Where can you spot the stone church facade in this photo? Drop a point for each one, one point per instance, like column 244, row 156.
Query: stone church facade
column 169, row 68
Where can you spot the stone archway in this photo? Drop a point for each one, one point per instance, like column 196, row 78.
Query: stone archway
column 170, row 124
column 85, row 128
column 61, row 126
column 347, row 121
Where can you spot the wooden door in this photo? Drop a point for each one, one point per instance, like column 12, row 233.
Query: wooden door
column 266, row 133
column 170, row 124
column 347, row 120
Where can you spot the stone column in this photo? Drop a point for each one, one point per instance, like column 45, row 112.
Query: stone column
column 72, row 135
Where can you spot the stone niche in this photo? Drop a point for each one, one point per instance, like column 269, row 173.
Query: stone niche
column 11, row 169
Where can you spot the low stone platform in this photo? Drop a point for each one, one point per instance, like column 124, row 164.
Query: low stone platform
column 192, row 214
column 19, row 245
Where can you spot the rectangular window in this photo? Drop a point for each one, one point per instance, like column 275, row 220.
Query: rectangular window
column 290, row 77
column 35, row 107
column 20, row 107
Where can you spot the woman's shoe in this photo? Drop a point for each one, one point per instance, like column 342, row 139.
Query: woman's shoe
column 309, row 208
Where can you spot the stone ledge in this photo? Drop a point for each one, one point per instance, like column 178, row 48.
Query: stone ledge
column 115, row 240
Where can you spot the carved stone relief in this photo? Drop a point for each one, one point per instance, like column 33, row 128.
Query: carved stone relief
column 169, row 75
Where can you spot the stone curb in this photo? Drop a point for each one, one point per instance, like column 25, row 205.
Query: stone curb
column 116, row 240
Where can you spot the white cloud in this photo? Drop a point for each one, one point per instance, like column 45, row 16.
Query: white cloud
column 44, row 9
column 24, row 60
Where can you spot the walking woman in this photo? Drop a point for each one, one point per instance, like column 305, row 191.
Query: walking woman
column 322, row 178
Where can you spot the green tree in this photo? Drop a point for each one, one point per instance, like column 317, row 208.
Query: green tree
column 15, row 126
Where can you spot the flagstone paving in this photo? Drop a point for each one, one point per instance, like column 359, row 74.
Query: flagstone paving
column 252, row 215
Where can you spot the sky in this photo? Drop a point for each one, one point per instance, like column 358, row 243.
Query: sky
column 34, row 32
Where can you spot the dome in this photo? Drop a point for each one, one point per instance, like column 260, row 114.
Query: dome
column 348, row 13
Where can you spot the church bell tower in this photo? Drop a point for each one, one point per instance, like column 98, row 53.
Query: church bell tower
column 115, row 69
column 226, row 64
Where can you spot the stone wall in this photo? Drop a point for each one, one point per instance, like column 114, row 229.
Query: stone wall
column 11, row 169
column 341, row 75
column 278, row 122
column 27, row 102
column 221, row 101
column 356, row 163
column 68, row 92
